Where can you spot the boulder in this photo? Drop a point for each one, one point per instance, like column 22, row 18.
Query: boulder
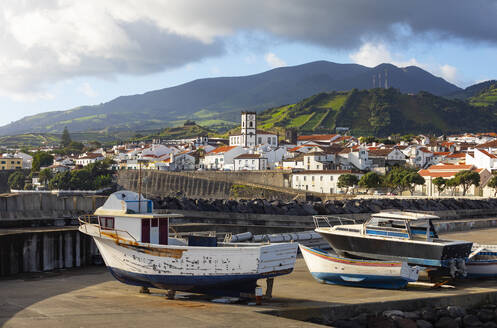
column 471, row 320
column 423, row 324
column 428, row 315
column 486, row 315
column 404, row 323
column 455, row 311
column 489, row 324
column 446, row 322
column 380, row 322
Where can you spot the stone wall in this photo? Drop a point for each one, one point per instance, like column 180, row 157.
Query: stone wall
column 208, row 184
column 28, row 209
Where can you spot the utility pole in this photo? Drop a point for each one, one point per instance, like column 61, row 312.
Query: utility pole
column 139, row 186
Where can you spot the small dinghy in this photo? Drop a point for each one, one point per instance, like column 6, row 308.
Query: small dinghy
column 482, row 262
column 331, row 269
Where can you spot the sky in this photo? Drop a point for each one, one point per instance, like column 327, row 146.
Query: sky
column 60, row 54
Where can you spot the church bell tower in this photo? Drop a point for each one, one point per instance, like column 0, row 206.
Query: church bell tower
column 249, row 128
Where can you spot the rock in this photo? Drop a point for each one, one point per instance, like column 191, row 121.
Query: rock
column 471, row 320
column 486, row 315
column 428, row 315
column 442, row 313
column 423, row 324
column 455, row 311
column 489, row 324
column 458, row 320
column 404, row 323
column 392, row 313
column 362, row 318
column 346, row 324
column 412, row 315
column 380, row 322
column 446, row 322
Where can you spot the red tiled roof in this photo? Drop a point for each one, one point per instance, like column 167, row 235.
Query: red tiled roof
column 441, row 153
column 316, row 137
column 456, row 155
column 221, row 150
column 454, row 167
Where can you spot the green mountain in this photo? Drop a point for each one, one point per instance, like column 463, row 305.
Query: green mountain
column 472, row 90
column 379, row 112
column 217, row 102
column 486, row 97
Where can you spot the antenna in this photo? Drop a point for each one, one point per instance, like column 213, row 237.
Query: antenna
column 374, row 81
column 379, row 80
column 386, row 79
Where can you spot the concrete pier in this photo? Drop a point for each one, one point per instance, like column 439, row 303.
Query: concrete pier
column 91, row 297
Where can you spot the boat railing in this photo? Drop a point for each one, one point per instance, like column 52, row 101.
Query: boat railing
column 325, row 219
column 94, row 221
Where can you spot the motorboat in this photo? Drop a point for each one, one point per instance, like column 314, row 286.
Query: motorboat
column 138, row 249
column 329, row 268
column 482, row 262
column 395, row 236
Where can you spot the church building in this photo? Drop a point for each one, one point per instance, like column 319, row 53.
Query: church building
column 249, row 135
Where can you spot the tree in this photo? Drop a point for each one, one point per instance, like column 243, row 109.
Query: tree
column 394, row 180
column 412, row 179
column 16, row 180
column 60, row 181
column 466, row 179
column 440, row 183
column 45, row 176
column 370, row 180
column 347, row 180
column 493, row 184
column 65, row 140
column 40, row 159
column 451, row 184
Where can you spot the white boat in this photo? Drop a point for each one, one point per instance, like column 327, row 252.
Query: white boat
column 395, row 236
column 137, row 249
column 482, row 262
column 331, row 269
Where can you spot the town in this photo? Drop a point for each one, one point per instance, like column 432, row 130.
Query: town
column 337, row 163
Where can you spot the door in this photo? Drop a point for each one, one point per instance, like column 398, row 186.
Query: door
column 145, row 231
column 163, row 231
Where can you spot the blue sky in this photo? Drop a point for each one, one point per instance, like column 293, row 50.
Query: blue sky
column 62, row 54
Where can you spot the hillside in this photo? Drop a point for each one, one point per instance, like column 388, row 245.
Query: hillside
column 379, row 112
column 217, row 102
column 472, row 90
column 486, row 97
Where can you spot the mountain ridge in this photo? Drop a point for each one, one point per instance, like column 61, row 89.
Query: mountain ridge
column 219, row 100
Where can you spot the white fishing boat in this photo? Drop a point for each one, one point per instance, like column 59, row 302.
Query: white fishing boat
column 332, row 269
column 137, row 249
column 482, row 262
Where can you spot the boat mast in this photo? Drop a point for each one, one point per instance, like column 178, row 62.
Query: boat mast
column 139, row 186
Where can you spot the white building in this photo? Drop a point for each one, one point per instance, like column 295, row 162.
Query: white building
column 89, row 158
column 322, row 181
column 249, row 135
column 250, row 162
column 483, row 159
column 222, row 158
column 27, row 160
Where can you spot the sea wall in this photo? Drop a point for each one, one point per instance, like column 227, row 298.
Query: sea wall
column 34, row 251
column 209, row 184
column 31, row 209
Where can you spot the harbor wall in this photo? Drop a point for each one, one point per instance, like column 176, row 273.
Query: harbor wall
column 33, row 251
column 210, row 184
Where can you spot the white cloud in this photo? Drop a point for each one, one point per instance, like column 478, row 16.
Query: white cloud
column 87, row 90
column 449, row 73
column 274, row 61
column 371, row 55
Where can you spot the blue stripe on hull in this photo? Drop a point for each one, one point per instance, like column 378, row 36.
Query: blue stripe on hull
column 371, row 281
column 218, row 285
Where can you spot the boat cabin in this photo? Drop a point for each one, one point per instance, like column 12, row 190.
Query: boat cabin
column 404, row 225
column 130, row 216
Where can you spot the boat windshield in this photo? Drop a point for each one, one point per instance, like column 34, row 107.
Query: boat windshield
column 387, row 227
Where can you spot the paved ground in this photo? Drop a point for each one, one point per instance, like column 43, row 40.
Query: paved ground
column 90, row 297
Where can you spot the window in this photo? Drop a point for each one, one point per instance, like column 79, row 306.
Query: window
column 107, row 223
column 259, row 140
column 306, row 187
column 253, row 161
column 3, row 162
column 312, row 178
column 269, row 140
column 251, row 124
column 304, row 177
column 321, row 178
column 331, row 178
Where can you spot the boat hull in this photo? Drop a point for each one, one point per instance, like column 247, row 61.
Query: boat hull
column 484, row 263
column 427, row 254
column 211, row 270
column 330, row 269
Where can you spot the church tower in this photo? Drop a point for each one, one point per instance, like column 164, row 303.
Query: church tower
column 249, row 128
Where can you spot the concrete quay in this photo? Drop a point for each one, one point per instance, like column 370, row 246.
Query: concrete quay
column 91, row 297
